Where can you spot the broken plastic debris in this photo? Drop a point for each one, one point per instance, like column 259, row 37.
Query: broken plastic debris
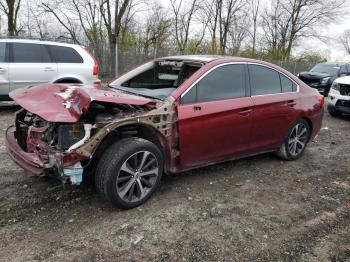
column 137, row 240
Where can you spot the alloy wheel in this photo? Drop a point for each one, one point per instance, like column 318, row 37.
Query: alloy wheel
column 297, row 139
column 137, row 176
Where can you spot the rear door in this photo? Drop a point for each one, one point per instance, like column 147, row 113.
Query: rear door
column 4, row 70
column 30, row 64
column 69, row 62
column 275, row 106
column 215, row 117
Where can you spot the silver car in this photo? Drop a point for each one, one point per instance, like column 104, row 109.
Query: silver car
column 32, row 62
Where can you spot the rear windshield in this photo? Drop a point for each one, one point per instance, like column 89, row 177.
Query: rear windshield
column 63, row 54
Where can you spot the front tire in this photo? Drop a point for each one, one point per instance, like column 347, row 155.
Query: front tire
column 296, row 140
column 129, row 172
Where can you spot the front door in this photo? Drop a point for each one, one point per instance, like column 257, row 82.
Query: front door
column 215, row 117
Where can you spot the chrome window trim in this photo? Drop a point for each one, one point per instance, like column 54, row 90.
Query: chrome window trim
column 244, row 63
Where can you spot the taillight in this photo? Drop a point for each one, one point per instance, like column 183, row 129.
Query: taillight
column 321, row 99
column 95, row 68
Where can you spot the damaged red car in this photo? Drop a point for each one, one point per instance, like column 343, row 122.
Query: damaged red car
column 168, row 115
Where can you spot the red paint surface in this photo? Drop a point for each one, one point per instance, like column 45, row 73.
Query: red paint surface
column 50, row 103
column 219, row 129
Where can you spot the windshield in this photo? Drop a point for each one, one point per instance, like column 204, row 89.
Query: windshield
column 331, row 69
column 157, row 79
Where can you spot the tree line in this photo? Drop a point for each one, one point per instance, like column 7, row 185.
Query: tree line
column 252, row 28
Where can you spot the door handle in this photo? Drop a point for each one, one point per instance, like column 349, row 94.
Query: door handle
column 197, row 108
column 245, row 111
column 291, row 103
column 48, row 69
column 2, row 70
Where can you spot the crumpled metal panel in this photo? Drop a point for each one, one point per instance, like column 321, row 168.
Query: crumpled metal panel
column 66, row 103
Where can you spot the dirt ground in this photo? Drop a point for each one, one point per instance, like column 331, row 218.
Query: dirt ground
column 255, row 209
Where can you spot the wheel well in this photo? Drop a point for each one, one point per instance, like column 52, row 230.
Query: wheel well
column 139, row 130
column 310, row 124
column 68, row 80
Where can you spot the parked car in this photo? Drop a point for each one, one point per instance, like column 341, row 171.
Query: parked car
column 168, row 115
column 339, row 97
column 32, row 62
column 322, row 75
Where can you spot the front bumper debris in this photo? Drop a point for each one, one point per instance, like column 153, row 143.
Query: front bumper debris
column 35, row 166
column 30, row 162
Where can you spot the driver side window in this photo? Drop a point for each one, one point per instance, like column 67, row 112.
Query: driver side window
column 224, row 82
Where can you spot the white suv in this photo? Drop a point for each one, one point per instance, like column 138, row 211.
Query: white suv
column 32, row 62
column 339, row 97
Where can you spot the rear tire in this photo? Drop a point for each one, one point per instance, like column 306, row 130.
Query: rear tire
column 333, row 111
column 129, row 172
column 296, row 140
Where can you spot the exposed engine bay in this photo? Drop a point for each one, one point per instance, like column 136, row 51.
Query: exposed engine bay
column 55, row 143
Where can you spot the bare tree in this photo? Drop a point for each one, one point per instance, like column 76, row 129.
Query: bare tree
column 82, row 20
column 345, row 40
column 62, row 13
column 156, row 31
column 288, row 20
column 11, row 9
column 238, row 32
column 183, row 17
column 113, row 13
column 221, row 15
column 255, row 9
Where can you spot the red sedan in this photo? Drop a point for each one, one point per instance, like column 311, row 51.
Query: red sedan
column 168, row 115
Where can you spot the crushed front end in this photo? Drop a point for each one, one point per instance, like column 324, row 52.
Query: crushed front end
column 45, row 148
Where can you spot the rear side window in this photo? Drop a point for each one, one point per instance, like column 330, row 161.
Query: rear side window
column 264, row 80
column 2, row 52
column 63, row 54
column 29, row 53
column 286, row 83
column 224, row 82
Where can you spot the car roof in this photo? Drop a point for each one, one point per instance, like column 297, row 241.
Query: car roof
column 198, row 58
column 34, row 41
column 210, row 58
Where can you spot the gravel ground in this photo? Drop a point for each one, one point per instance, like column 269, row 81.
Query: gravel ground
column 255, row 209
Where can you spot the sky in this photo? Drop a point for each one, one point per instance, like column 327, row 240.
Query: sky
column 330, row 45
